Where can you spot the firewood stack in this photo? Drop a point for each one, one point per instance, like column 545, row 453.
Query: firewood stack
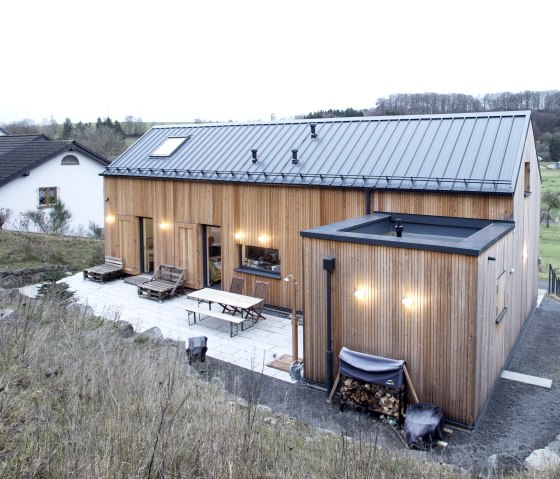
column 371, row 396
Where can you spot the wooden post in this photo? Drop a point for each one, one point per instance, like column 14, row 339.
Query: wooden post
column 294, row 323
column 414, row 396
column 329, row 399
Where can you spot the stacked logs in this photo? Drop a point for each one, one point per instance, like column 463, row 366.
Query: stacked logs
column 371, row 396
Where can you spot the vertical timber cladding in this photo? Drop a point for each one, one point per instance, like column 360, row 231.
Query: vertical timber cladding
column 516, row 269
column 443, row 204
column 274, row 213
column 435, row 335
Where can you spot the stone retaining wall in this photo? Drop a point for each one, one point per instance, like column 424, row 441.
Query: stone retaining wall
column 22, row 277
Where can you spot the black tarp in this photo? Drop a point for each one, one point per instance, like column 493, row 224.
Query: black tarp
column 197, row 349
column 371, row 369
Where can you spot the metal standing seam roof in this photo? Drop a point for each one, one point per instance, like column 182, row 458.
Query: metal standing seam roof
column 477, row 153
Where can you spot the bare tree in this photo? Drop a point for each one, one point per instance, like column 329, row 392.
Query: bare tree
column 5, row 215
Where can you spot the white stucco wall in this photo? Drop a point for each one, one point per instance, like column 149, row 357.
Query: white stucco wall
column 80, row 188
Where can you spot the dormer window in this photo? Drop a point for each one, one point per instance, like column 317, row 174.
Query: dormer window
column 169, row 146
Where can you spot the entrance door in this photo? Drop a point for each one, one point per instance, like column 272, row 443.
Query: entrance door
column 147, row 245
column 127, row 243
column 213, row 256
column 187, row 249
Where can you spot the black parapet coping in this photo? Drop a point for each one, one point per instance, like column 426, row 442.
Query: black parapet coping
column 485, row 234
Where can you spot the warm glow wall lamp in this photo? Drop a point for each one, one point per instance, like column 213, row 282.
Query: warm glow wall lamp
column 407, row 301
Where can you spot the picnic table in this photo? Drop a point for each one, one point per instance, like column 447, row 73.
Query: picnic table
column 222, row 298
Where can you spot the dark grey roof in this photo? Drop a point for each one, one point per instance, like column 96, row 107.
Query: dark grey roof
column 19, row 154
column 3, row 131
column 480, row 152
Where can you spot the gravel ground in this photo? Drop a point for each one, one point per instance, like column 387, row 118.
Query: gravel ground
column 517, row 419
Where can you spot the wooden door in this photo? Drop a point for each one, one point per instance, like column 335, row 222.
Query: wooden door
column 128, row 244
column 188, row 253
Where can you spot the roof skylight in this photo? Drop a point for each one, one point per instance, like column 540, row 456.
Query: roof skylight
column 169, row 146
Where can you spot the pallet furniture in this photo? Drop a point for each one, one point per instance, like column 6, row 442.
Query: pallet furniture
column 111, row 269
column 165, row 282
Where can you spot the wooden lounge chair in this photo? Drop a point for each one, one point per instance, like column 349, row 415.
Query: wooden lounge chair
column 164, row 283
column 261, row 291
column 113, row 268
column 237, row 288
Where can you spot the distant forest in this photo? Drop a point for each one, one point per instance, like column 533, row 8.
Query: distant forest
column 105, row 137
column 110, row 138
column 545, row 106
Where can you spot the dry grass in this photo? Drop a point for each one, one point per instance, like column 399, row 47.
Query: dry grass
column 78, row 400
column 27, row 250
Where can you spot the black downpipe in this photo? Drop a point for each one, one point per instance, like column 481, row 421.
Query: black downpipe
column 328, row 265
column 368, row 200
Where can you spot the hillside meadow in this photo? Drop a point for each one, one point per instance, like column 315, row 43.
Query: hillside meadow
column 80, row 398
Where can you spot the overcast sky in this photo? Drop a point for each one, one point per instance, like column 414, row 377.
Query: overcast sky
column 166, row 60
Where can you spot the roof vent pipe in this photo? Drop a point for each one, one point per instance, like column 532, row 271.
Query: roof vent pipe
column 399, row 228
column 255, row 159
column 313, row 133
column 295, row 159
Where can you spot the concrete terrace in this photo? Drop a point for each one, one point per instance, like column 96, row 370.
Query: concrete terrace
column 252, row 349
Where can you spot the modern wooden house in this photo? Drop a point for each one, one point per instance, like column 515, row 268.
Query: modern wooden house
column 449, row 296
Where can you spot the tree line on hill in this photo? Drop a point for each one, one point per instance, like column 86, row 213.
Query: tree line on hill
column 545, row 107
column 104, row 137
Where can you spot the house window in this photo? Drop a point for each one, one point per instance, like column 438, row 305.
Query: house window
column 48, row 196
column 169, row 146
column 70, row 160
column 266, row 260
column 527, row 178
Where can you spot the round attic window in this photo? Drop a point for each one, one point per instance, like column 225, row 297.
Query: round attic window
column 69, row 160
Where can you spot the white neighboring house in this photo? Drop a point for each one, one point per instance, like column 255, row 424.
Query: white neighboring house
column 36, row 172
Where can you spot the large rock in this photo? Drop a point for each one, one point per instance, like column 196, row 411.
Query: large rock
column 83, row 309
column 124, row 328
column 153, row 334
column 7, row 314
column 546, row 458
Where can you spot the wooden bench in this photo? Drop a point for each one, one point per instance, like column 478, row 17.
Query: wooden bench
column 165, row 282
column 233, row 321
column 113, row 268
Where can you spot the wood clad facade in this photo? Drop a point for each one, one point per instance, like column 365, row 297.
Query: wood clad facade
column 449, row 337
column 180, row 208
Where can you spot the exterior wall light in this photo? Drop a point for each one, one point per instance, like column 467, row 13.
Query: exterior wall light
column 263, row 239
column 164, row 226
column 359, row 293
column 110, row 219
column 407, row 301
column 238, row 236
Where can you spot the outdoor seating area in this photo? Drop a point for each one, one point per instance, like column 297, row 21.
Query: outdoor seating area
column 249, row 307
column 165, row 282
column 257, row 347
column 112, row 268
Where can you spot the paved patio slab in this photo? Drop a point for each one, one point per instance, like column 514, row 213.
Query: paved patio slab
column 252, row 349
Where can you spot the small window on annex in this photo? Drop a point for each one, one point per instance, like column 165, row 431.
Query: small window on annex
column 260, row 259
column 70, row 160
column 48, row 196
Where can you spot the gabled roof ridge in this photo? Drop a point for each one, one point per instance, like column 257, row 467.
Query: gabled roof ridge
column 354, row 119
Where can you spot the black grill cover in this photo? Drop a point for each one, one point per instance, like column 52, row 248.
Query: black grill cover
column 371, row 369
column 197, row 349
column 423, row 425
